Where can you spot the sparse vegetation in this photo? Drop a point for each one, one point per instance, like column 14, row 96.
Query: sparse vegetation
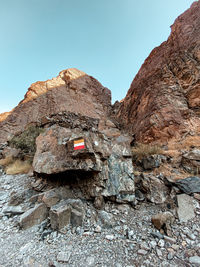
column 26, row 140
column 18, row 166
column 141, row 151
column 7, row 161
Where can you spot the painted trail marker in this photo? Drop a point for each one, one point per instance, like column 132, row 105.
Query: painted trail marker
column 79, row 144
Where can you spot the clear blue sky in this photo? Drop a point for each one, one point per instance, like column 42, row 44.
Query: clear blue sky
column 108, row 39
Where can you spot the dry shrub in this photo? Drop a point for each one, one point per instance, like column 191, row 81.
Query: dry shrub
column 18, row 167
column 5, row 162
column 141, row 151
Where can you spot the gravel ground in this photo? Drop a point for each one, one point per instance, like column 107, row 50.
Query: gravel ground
column 126, row 239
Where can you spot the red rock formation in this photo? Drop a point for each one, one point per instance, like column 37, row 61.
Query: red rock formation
column 72, row 90
column 164, row 98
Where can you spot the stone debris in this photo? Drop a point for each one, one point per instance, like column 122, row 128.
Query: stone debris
column 185, row 208
column 33, row 216
column 189, row 185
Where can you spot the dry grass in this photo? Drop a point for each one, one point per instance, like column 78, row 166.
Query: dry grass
column 143, row 150
column 5, row 162
column 18, row 167
column 175, row 146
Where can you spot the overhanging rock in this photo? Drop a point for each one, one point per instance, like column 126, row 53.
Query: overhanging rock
column 107, row 160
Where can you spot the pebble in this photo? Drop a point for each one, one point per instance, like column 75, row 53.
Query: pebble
column 97, row 229
column 110, row 237
column 142, row 252
column 161, row 243
column 195, row 260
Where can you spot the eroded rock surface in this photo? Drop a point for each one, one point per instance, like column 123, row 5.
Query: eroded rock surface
column 103, row 168
column 72, row 90
column 164, row 98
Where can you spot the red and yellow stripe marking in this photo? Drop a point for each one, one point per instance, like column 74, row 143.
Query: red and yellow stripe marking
column 79, row 144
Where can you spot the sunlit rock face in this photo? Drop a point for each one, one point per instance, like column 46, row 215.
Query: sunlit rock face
column 72, row 90
column 164, row 98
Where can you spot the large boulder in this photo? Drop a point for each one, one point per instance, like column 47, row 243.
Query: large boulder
column 164, row 98
column 107, row 162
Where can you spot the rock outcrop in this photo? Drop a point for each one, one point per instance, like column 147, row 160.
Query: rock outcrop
column 103, row 166
column 164, row 98
column 72, row 90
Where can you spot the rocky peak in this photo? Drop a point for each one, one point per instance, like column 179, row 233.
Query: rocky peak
column 163, row 100
column 72, row 91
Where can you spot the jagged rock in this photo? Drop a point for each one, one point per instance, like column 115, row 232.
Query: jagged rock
column 13, row 210
column 99, row 202
column 72, row 90
column 155, row 189
column 60, row 215
column 33, row 216
column 151, row 162
column 164, row 98
column 185, row 208
column 106, row 162
column 189, row 185
column 50, row 198
column 191, row 161
column 67, row 212
column 106, row 219
column 163, row 221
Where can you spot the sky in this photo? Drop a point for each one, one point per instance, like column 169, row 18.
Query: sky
column 107, row 39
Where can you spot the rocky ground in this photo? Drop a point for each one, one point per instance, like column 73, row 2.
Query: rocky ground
column 118, row 235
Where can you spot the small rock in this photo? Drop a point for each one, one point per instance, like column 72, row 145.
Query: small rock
column 13, row 210
column 157, row 235
column 90, row 261
column 97, row 229
column 159, row 252
column 64, row 255
column 163, row 220
column 142, row 252
column 110, row 237
column 106, row 219
column 50, row 198
column 161, row 243
column 195, row 260
column 170, row 256
column 169, row 239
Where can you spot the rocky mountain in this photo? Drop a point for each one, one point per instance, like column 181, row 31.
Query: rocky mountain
column 72, row 90
column 164, row 98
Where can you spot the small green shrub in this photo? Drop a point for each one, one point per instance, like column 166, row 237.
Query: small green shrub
column 26, row 140
column 141, row 151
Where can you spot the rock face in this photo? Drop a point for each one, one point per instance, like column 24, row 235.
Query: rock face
column 103, row 166
column 72, row 90
column 164, row 98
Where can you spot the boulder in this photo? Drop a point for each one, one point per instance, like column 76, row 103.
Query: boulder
column 151, row 162
column 155, row 189
column 191, row 161
column 33, row 216
column 66, row 212
column 105, row 163
column 185, row 208
column 50, row 198
column 163, row 221
column 189, row 185
column 60, row 215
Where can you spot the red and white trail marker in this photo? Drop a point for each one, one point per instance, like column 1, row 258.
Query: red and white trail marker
column 79, row 144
